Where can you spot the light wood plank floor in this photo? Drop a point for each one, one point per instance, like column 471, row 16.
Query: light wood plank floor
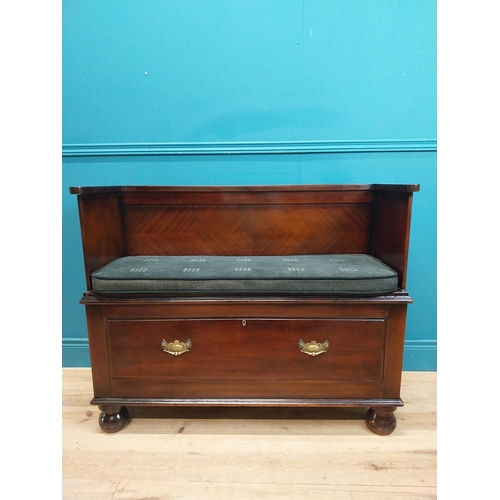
column 231, row 453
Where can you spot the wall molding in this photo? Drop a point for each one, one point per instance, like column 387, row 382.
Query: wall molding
column 429, row 345
column 239, row 148
column 75, row 353
column 73, row 343
column 419, row 355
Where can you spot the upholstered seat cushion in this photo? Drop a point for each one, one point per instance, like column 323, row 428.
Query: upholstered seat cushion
column 291, row 274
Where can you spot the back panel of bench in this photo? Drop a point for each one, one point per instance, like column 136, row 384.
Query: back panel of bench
column 247, row 224
column 259, row 220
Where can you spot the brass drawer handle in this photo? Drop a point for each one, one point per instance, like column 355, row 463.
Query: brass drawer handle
column 176, row 348
column 313, row 348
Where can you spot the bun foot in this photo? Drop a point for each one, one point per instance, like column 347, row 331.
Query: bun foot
column 381, row 420
column 113, row 418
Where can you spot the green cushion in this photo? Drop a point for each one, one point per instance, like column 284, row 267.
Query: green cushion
column 353, row 274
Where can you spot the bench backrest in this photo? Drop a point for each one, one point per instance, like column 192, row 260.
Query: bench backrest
column 256, row 220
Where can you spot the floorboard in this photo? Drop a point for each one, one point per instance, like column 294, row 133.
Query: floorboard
column 237, row 453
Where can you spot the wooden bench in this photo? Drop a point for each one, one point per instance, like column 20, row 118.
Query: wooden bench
column 210, row 347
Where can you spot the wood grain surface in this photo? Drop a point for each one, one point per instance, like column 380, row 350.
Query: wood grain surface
column 246, row 453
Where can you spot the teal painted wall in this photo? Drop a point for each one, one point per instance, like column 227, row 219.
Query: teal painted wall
column 262, row 92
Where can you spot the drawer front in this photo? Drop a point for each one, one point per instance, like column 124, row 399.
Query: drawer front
column 245, row 358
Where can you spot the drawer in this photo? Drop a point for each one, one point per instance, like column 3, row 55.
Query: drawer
column 250, row 358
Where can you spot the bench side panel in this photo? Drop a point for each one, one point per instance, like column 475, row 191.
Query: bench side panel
column 102, row 230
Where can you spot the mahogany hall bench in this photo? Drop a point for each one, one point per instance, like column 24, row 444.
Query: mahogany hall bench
column 281, row 296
